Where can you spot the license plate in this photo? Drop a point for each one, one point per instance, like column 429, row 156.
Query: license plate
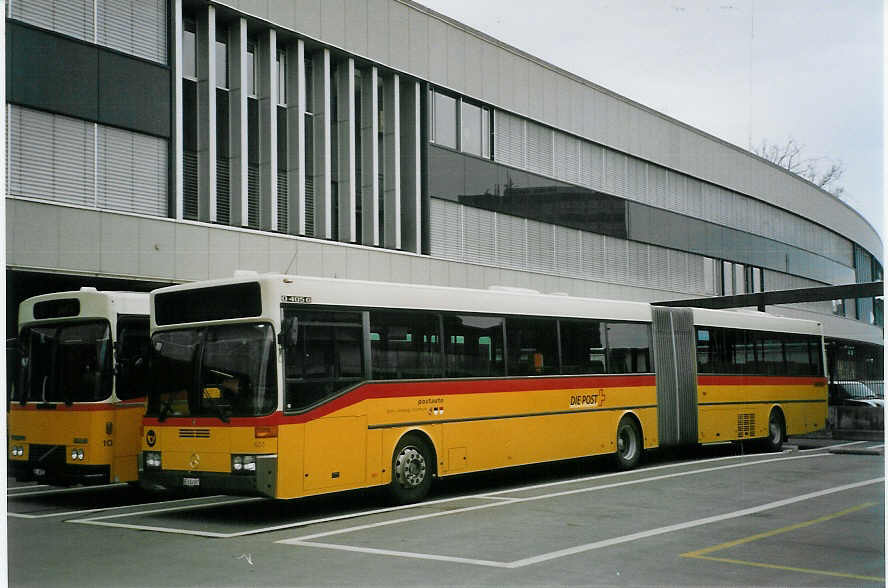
column 39, row 472
column 190, row 482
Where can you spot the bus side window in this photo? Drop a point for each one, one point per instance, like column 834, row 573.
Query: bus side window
column 405, row 345
column 132, row 357
column 582, row 347
column 473, row 346
column 628, row 348
column 323, row 357
column 533, row 346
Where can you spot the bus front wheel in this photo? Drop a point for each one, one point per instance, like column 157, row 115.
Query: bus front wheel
column 412, row 467
column 629, row 445
column 776, row 432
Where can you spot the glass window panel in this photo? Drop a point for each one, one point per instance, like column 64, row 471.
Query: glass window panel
column 757, row 279
column 739, row 278
column 533, row 346
column 221, row 64
column 727, row 279
column 251, row 69
column 705, row 355
column 709, row 275
column 282, row 76
column 470, row 128
column 474, row 346
column 405, row 345
column 628, row 348
column 444, row 127
column 189, row 49
column 582, row 347
column 485, row 132
column 323, row 355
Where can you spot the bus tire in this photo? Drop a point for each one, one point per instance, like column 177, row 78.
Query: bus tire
column 776, row 432
column 413, row 463
column 629, row 444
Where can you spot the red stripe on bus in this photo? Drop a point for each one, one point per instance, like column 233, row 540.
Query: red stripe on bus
column 759, row 380
column 373, row 390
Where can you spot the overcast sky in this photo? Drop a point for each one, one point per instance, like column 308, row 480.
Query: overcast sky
column 742, row 70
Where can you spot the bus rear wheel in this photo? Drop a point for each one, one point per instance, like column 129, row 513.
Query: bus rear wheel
column 412, row 467
column 629, row 445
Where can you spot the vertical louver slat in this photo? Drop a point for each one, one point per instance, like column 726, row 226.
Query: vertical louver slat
column 282, row 196
column 511, row 246
column 189, row 185
column 253, row 196
column 223, row 191
column 479, row 234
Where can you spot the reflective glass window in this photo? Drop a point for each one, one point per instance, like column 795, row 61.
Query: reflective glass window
column 443, row 120
column 405, row 345
column 189, row 48
column 221, row 59
column 474, row 129
column 628, row 348
column 473, row 346
column 582, row 347
column 532, row 345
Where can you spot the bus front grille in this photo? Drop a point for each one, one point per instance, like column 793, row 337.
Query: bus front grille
column 194, row 433
column 746, row 425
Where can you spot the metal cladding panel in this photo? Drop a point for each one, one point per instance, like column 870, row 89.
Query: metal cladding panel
column 333, row 21
column 456, row 58
column 377, row 30
column 437, row 50
column 675, row 361
column 490, row 74
column 398, row 42
column 356, row 26
column 474, row 77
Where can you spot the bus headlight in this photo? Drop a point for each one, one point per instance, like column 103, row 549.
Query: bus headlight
column 77, row 454
column 17, row 450
column 243, row 464
column 152, row 459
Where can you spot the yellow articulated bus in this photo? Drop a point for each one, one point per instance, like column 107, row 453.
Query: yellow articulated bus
column 76, row 412
column 288, row 386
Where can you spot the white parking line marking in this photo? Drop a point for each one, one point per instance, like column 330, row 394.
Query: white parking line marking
column 690, row 524
column 304, row 542
column 534, row 498
column 100, row 520
column 21, row 515
column 64, row 490
column 103, row 521
column 828, row 447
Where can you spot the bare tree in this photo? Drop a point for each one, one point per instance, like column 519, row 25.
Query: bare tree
column 821, row 171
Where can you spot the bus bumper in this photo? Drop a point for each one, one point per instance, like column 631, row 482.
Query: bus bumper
column 60, row 474
column 261, row 483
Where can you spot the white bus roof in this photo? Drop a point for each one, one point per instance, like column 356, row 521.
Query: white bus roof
column 302, row 290
column 93, row 304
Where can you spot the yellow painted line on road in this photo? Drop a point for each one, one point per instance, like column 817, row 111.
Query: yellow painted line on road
column 702, row 553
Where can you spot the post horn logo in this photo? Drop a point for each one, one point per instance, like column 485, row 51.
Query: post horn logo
column 151, row 437
column 195, row 461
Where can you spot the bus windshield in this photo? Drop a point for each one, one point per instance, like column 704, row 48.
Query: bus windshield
column 220, row 371
column 66, row 363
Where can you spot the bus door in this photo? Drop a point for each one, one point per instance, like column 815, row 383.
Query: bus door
column 675, row 363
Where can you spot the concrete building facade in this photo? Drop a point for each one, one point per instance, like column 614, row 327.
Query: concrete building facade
column 152, row 142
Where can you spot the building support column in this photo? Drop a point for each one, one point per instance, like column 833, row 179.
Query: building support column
column 370, row 157
column 206, row 114
column 237, row 44
column 411, row 179
column 268, row 164
column 391, row 145
column 323, row 209
column 296, row 138
column 345, row 129
column 177, row 203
